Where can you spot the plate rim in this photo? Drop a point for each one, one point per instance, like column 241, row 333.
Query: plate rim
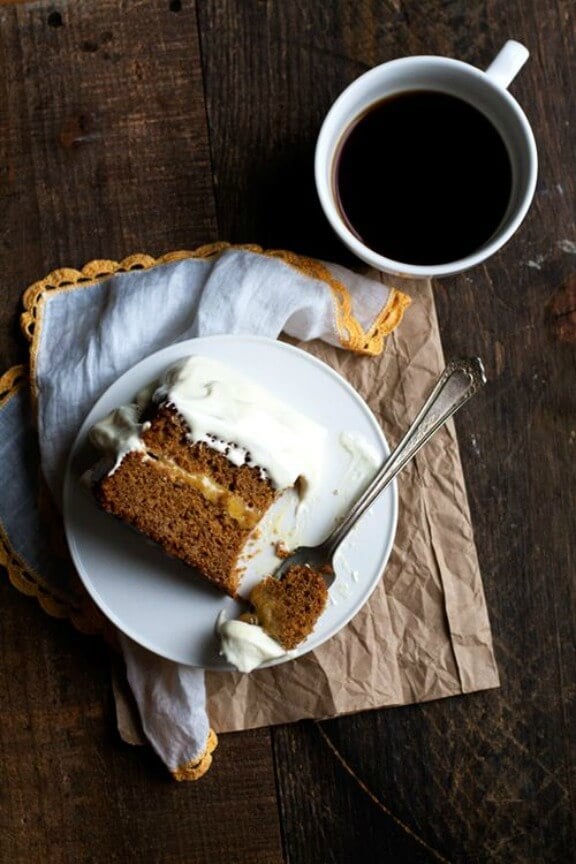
column 172, row 352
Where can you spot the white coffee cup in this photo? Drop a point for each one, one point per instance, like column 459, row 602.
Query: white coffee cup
column 486, row 91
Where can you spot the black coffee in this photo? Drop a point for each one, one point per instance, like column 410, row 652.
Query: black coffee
column 423, row 178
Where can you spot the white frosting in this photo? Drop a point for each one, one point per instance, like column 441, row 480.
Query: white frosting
column 247, row 646
column 231, row 413
column 363, row 464
column 119, row 433
column 365, row 459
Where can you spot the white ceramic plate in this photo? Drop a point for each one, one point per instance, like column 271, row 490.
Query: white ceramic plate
column 158, row 601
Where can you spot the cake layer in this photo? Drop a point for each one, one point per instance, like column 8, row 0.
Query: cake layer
column 162, row 501
column 167, row 436
column 287, row 609
column 228, row 411
column 187, row 497
column 198, row 459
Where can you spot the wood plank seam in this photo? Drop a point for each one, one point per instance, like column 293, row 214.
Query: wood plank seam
column 374, row 798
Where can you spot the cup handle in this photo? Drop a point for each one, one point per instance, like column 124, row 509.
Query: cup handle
column 507, row 63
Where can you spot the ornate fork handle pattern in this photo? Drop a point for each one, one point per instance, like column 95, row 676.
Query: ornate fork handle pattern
column 461, row 379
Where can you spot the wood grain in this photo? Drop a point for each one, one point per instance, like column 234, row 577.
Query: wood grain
column 71, row 791
column 147, row 126
column 104, row 153
column 487, row 778
column 104, row 134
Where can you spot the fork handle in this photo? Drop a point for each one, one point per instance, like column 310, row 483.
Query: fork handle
column 461, row 379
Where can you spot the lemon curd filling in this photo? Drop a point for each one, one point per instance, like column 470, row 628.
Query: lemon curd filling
column 245, row 515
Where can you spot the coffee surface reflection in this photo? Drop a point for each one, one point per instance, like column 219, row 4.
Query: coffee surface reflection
column 422, row 177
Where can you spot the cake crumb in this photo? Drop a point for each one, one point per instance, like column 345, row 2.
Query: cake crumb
column 249, row 618
column 289, row 608
column 281, row 551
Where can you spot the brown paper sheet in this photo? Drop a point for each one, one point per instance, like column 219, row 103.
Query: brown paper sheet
column 425, row 633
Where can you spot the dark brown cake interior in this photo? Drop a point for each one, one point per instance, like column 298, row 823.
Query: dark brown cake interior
column 188, row 497
column 288, row 608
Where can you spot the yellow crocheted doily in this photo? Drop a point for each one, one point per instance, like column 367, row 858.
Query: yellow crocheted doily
column 76, row 605
column 194, row 769
column 351, row 333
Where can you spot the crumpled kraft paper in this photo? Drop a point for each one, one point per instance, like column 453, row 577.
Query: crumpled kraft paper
column 424, row 634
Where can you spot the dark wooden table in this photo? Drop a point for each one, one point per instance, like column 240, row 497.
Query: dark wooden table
column 150, row 125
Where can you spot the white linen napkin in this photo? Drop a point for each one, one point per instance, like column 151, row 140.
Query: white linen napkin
column 87, row 335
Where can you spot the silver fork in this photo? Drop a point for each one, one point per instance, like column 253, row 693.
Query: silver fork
column 461, row 379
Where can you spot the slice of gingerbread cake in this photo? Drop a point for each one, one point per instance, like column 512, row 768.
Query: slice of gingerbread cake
column 197, row 465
